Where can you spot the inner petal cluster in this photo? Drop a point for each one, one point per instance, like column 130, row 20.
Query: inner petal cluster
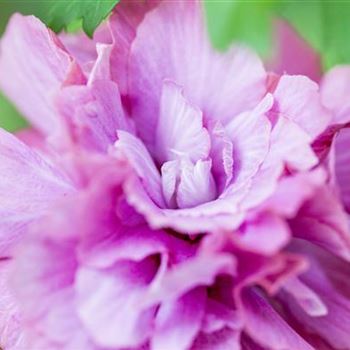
column 187, row 163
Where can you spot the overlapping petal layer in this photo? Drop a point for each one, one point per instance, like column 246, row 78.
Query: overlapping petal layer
column 172, row 197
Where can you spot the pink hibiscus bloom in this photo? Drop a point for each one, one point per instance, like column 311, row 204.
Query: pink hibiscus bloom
column 161, row 201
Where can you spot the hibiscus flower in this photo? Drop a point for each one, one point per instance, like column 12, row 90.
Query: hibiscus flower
column 155, row 203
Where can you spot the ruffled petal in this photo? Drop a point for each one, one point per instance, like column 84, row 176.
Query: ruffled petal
column 122, row 25
column 171, row 43
column 298, row 99
column 291, row 145
column 138, row 156
column 288, row 145
column 267, row 234
column 220, row 214
column 250, row 135
column 108, row 303
column 293, row 191
column 200, row 270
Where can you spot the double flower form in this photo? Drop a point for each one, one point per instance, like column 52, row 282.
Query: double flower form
column 167, row 196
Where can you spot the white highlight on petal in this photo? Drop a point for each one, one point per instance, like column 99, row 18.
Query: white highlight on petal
column 180, row 130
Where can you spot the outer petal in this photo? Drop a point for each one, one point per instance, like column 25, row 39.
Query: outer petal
column 306, row 298
column 28, row 186
column 47, row 302
column 33, row 66
column 291, row 145
column 267, row 234
column 108, row 303
column 264, row 183
column 180, row 131
column 103, row 249
column 327, row 276
column 293, row 191
column 335, row 89
column 178, row 322
column 323, row 222
column 200, row 270
column 171, row 43
column 298, row 99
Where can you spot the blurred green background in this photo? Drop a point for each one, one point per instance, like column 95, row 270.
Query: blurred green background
column 324, row 24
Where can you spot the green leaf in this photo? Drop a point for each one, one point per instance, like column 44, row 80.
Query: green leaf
column 248, row 22
column 60, row 14
column 325, row 25
column 10, row 119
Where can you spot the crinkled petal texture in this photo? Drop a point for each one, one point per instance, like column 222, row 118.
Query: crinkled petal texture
column 170, row 197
